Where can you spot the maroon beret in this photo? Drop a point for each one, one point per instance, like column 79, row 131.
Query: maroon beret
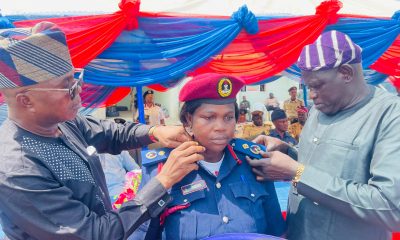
column 211, row 87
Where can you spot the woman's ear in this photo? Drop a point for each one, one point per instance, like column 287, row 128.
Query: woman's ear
column 189, row 123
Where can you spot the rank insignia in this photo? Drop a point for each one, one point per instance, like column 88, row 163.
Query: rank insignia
column 255, row 149
column 247, row 148
column 150, row 157
column 193, row 187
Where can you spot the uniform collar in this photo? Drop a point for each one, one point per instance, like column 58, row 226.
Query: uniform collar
column 227, row 166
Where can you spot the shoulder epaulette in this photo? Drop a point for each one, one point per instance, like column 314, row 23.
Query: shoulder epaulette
column 247, row 148
column 154, row 156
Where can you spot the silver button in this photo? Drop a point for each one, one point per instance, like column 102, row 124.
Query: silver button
column 315, row 203
column 315, row 140
column 185, row 200
column 218, row 185
column 161, row 203
column 225, row 219
column 252, row 195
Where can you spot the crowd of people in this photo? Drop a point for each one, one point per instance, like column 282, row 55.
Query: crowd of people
column 285, row 123
column 343, row 166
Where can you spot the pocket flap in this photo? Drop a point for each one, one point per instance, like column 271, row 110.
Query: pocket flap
column 251, row 191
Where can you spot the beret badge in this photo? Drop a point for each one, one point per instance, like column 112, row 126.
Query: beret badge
column 224, row 87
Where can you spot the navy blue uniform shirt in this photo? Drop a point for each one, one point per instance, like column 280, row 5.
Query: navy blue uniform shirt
column 233, row 202
column 286, row 137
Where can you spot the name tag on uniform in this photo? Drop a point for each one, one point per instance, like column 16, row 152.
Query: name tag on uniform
column 194, row 187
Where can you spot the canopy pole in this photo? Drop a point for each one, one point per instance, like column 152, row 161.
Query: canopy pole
column 140, row 104
column 305, row 95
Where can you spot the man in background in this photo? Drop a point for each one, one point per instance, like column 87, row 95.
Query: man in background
column 257, row 127
column 290, row 105
column 153, row 113
column 271, row 103
column 295, row 128
column 280, row 121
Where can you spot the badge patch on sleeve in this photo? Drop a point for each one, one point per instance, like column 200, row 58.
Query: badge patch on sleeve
column 194, row 187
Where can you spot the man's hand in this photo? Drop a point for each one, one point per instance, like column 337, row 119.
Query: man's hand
column 274, row 166
column 171, row 136
column 272, row 144
column 180, row 162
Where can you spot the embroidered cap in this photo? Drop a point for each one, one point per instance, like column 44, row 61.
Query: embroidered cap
column 32, row 55
column 211, row 88
column 330, row 50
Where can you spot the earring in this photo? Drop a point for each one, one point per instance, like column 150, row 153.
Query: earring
column 189, row 130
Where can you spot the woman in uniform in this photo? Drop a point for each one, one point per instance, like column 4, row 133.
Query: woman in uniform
column 222, row 196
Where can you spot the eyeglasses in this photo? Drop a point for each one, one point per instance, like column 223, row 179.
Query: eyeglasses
column 72, row 91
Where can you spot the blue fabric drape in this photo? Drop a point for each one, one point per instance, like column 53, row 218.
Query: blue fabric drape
column 165, row 49
column 3, row 113
column 374, row 36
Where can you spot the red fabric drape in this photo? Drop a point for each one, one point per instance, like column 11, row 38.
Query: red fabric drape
column 88, row 36
column 277, row 45
column 395, row 81
column 389, row 62
column 117, row 95
column 91, row 92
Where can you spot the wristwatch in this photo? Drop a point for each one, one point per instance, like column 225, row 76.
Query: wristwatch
column 297, row 176
column 151, row 134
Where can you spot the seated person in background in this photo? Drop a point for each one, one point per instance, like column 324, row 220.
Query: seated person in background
column 271, row 103
column 223, row 195
column 257, row 127
column 281, row 123
column 242, row 116
column 115, row 167
column 295, row 128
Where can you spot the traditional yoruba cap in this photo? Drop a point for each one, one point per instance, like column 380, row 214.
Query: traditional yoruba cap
column 330, row 50
column 32, row 55
column 258, row 108
column 211, row 88
column 302, row 109
column 278, row 114
column 292, row 88
column 147, row 93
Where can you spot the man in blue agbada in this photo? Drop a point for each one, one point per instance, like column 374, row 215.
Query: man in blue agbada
column 222, row 196
column 346, row 181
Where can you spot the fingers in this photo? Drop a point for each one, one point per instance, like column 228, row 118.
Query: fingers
column 272, row 147
column 265, row 154
column 258, row 163
column 183, row 137
column 185, row 145
column 260, row 139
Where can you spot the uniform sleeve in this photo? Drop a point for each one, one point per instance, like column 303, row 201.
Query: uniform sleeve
column 378, row 201
column 45, row 209
column 285, row 106
column 109, row 137
column 276, row 225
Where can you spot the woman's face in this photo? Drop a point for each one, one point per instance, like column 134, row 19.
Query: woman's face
column 213, row 126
